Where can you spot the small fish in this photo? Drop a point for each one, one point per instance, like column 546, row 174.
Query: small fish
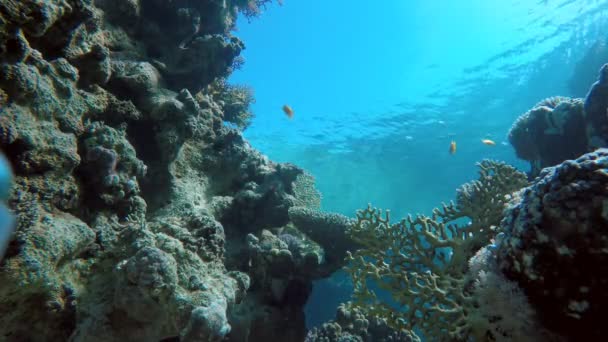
column 488, row 142
column 288, row 111
column 453, row 147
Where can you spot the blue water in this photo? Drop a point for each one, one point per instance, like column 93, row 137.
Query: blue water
column 379, row 90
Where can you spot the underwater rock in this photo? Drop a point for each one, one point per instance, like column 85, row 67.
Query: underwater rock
column 207, row 324
column 551, row 132
column 555, row 246
column 110, row 170
column 559, row 128
column 132, row 199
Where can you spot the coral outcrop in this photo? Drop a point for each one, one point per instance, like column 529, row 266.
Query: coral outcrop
column 559, row 128
column 555, row 246
column 133, row 199
column 551, row 132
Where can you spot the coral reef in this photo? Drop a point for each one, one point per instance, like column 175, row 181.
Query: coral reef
column 551, row 132
column 330, row 230
column 596, row 107
column 559, row 128
column 413, row 274
column 133, row 200
column 555, row 246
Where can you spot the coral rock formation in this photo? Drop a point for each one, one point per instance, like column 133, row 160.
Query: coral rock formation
column 132, row 198
column 419, row 265
column 556, row 243
column 559, row 128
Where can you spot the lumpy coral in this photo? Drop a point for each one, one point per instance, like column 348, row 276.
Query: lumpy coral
column 132, row 198
column 551, row 132
column 559, row 128
column 555, row 246
column 351, row 324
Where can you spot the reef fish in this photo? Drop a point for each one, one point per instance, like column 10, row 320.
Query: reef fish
column 488, row 142
column 288, row 111
column 452, row 147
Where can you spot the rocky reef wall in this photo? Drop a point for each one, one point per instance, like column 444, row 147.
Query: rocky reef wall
column 140, row 214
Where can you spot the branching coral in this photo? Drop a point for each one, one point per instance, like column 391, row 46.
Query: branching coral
column 235, row 102
column 305, row 193
column 421, row 262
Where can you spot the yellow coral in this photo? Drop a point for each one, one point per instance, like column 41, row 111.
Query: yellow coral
column 421, row 262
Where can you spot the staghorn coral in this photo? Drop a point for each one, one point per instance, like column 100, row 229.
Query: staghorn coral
column 421, row 262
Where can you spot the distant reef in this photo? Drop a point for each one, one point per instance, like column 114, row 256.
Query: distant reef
column 143, row 215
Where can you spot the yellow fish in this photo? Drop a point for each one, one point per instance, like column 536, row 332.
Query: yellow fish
column 288, row 111
column 488, row 142
column 452, row 147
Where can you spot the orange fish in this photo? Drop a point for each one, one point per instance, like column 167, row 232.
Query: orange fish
column 452, row 147
column 288, row 111
column 488, row 142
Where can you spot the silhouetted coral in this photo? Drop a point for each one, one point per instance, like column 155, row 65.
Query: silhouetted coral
column 549, row 133
column 558, row 128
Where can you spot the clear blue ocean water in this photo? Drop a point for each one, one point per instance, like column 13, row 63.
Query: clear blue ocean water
column 380, row 88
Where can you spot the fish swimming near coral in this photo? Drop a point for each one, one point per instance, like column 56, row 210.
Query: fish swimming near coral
column 488, row 142
column 7, row 221
column 452, row 149
column 288, row 111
